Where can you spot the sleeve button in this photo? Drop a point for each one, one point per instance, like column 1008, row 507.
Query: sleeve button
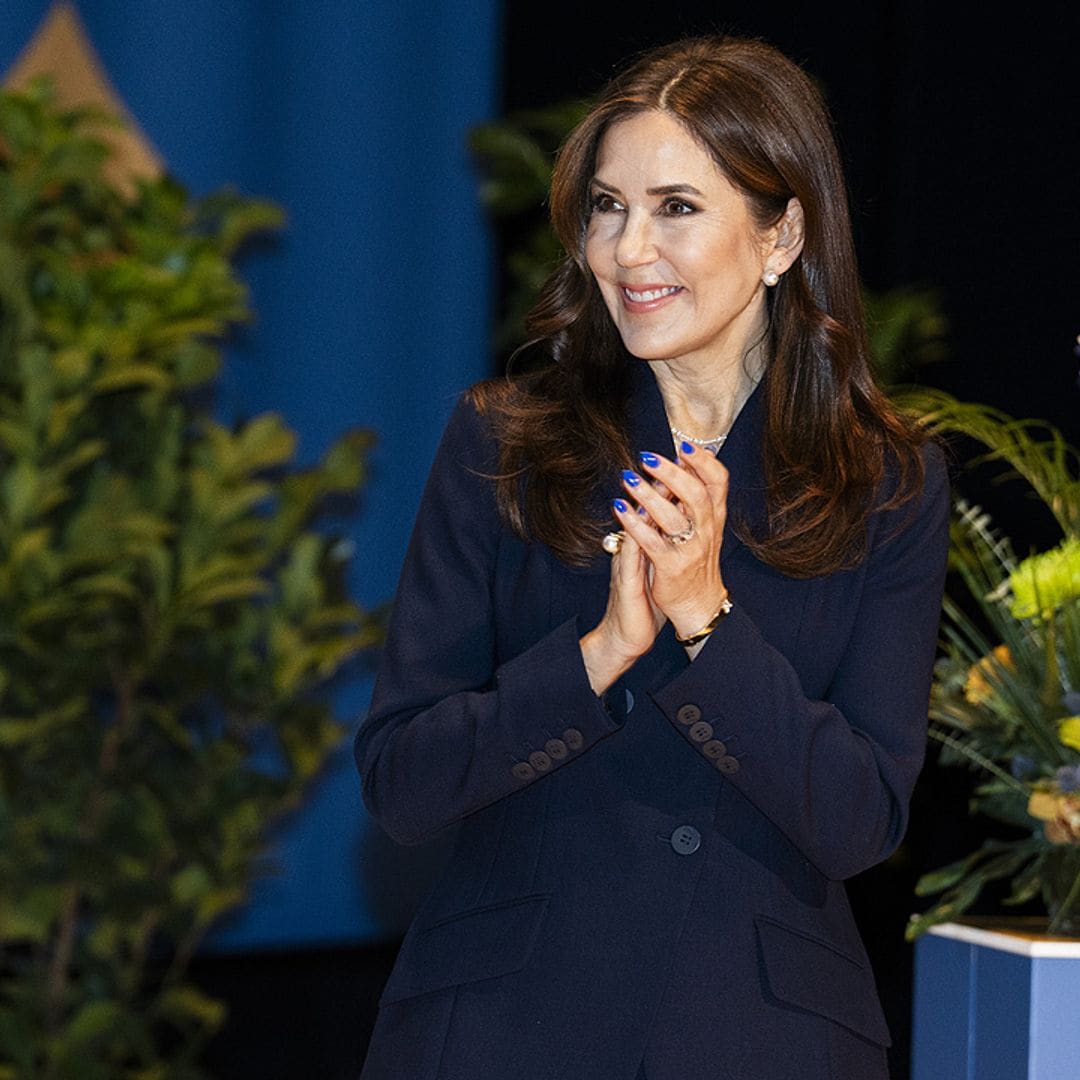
column 573, row 738
column 701, row 731
column 714, row 749
column 523, row 771
column 727, row 765
column 688, row 714
column 555, row 749
column 539, row 761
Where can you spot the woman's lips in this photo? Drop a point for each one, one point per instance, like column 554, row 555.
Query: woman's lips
column 647, row 297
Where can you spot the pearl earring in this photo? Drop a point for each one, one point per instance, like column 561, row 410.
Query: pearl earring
column 770, row 277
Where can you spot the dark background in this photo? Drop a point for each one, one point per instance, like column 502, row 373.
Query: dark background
column 961, row 139
column 959, row 131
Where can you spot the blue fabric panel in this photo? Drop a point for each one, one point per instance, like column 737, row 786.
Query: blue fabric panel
column 1055, row 1033
column 372, row 309
column 1001, row 1038
column 942, row 1009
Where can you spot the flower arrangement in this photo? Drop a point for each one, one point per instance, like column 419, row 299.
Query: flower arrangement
column 1006, row 693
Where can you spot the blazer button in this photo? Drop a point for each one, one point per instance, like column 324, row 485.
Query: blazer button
column 727, row 764
column 539, row 761
column 556, row 749
column 685, row 840
column 700, row 732
column 573, row 738
column 523, row 771
column 688, row 714
column 714, row 749
column 629, row 701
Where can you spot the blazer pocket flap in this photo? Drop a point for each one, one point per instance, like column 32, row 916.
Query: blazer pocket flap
column 478, row 944
column 814, row 974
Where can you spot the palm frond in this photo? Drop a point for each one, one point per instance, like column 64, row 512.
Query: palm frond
column 1032, row 449
column 965, row 750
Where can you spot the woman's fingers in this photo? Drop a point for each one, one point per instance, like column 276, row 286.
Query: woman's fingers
column 673, row 495
column 680, row 534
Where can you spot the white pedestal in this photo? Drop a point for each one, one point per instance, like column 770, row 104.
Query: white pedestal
column 1001, row 1004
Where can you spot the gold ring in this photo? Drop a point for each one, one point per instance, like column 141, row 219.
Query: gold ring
column 685, row 536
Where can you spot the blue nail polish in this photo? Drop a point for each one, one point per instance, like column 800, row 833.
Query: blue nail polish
column 686, row 447
column 649, row 459
column 619, row 505
column 631, row 477
column 642, row 511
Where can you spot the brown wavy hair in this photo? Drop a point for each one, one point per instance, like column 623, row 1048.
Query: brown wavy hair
column 833, row 442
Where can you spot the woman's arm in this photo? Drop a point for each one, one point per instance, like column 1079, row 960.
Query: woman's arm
column 834, row 776
column 449, row 730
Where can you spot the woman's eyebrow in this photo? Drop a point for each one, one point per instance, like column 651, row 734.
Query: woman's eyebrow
column 663, row 189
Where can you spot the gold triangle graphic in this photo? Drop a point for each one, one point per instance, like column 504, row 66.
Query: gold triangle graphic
column 62, row 49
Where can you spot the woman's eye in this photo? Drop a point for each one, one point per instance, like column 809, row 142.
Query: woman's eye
column 677, row 208
column 603, row 203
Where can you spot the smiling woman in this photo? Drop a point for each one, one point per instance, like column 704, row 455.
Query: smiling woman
column 664, row 762
column 664, row 218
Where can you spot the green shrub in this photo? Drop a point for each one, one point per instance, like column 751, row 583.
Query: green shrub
column 169, row 616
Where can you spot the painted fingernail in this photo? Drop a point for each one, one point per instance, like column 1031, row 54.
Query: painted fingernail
column 631, row 477
column 649, row 459
column 686, row 447
column 642, row 511
column 620, row 506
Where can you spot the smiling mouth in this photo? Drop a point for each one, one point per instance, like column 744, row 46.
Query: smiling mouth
column 646, row 295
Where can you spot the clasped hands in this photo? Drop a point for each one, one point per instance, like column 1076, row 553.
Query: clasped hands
column 667, row 566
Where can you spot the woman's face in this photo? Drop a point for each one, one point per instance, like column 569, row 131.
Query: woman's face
column 673, row 247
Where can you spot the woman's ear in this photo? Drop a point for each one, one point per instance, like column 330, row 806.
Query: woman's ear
column 787, row 236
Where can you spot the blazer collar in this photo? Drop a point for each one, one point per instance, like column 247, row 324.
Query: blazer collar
column 741, row 453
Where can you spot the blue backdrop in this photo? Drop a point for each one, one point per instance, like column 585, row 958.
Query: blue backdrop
column 372, row 308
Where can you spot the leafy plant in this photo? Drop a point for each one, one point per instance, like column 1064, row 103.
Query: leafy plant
column 905, row 324
column 169, row 616
column 1006, row 694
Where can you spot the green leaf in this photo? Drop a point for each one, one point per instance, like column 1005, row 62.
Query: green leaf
column 93, row 1021
column 132, row 377
column 938, row 880
column 186, row 1003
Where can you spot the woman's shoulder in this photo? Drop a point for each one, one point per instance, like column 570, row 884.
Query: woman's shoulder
column 916, row 496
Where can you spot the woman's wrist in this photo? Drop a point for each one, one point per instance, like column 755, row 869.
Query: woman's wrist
column 693, row 623
column 606, row 659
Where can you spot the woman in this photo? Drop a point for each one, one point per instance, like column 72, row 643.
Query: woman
column 664, row 760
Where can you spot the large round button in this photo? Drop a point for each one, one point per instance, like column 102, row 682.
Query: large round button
column 700, row 732
column 727, row 764
column 539, row 761
column 685, row 840
column 555, row 749
column 688, row 714
column 714, row 749
column 629, row 702
column 573, row 738
column 523, row 771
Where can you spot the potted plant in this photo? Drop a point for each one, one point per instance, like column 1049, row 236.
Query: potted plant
column 169, row 614
column 1006, row 694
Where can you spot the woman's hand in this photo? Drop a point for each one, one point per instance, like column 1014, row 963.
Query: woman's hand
column 681, row 535
column 630, row 623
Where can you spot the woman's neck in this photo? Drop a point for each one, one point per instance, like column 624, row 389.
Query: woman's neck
column 703, row 401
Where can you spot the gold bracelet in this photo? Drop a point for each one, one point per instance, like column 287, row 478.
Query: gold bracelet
column 692, row 639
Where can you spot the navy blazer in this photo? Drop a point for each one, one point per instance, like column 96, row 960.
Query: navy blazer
column 655, row 875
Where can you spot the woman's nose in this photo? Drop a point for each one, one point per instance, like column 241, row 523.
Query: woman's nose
column 635, row 245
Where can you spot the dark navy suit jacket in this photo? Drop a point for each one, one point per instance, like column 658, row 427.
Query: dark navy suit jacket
column 655, row 875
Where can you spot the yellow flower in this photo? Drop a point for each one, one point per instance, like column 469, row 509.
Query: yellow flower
column 978, row 688
column 1069, row 732
column 1060, row 815
column 1043, row 805
column 1043, row 583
